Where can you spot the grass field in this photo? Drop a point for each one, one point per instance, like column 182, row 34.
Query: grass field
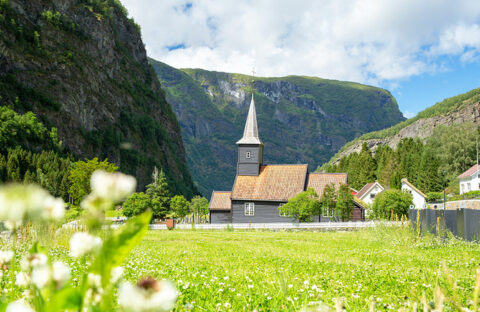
column 277, row 271
column 289, row 270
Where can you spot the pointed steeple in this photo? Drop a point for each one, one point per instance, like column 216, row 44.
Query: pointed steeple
column 250, row 134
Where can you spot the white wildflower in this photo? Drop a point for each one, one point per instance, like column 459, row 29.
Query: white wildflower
column 116, row 274
column 148, row 295
column 54, row 209
column 5, row 257
column 227, row 305
column 250, row 286
column 113, row 186
column 41, row 276
column 19, row 306
column 83, row 243
column 33, row 260
column 22, row 279
column 60, row 273
column 20, row 202
column 94, row 280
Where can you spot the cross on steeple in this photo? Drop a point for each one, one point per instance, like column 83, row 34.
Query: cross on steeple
column 253, row 80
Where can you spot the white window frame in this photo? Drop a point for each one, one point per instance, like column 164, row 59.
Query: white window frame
column 469, row 187
column 249, row 209
column 280, row 213
column 248, row 155
column 328, row 213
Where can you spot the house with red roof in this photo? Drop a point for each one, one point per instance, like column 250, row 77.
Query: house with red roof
column 260, row 189
column 469, row 180
column 369, row 191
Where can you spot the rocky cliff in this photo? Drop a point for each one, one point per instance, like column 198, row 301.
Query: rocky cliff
column 464, row 108
column 301, row 119
column 81, row 66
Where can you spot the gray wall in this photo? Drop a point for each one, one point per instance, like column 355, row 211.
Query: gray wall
column 220, row 216
column 265, row 212
column 249, row 166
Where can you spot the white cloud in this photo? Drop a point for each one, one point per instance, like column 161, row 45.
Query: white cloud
column 408, row 114
column 370, row 41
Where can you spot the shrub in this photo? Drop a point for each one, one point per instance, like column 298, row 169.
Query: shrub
column 179, row 206
column 434, row 196
column 136, row 204
column 302, row 207
column 391, row 202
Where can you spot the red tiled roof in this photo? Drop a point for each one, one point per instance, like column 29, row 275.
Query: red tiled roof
column 469, row 172
column 274, row 182
column 220, row 201
column 365, row 189
column 318, row 181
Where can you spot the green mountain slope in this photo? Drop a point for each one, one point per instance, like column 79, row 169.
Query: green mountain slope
column 81, row 66
column 301, row 119
column 463, row 108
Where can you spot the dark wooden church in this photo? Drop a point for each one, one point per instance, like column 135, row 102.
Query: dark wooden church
column 260, row 189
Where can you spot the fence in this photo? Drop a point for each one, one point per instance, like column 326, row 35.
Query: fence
column 276, row 226
column 463, row 222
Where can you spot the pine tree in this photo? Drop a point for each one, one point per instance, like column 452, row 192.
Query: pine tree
column 429, row 177
column 159, row 194
column 344, row 204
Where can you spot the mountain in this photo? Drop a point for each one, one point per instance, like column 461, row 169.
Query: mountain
column 301, row 119
column 460, row 109
column 81, row 66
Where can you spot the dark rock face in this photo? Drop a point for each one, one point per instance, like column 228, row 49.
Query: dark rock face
column 86, row 71
column 300, row 119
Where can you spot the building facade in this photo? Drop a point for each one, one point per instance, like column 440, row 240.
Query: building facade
column 368, row 193
column 260, row 189
column 470, row 180
column 419, row 198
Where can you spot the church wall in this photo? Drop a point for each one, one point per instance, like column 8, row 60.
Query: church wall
column 248, row 169
column 265, row 212
column 220, row 217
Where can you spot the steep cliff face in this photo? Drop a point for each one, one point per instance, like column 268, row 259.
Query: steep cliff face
column 81, row 66
column 301, row 119
column 464, row 108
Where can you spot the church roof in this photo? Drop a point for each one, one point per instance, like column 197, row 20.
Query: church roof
column 318, row 181
column 274, row 183
column 250, row 133
column 220, row 201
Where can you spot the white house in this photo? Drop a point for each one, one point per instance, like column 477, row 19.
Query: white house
column 369, row 191
column 419, row 199
column 469, row 180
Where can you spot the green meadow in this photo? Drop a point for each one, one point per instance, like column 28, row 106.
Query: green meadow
column 265, row 271
column 374, row 269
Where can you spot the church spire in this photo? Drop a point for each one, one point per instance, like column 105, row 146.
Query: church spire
column 250, row 134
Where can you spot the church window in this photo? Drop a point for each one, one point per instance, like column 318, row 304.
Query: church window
column 249, row 209
column 327, row 212
column 248, row 155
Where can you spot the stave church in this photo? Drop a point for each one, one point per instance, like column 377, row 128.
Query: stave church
column 259, row 189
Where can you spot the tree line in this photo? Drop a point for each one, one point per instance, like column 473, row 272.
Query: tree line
column 431, row 166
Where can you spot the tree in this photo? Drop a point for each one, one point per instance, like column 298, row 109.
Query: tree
column 81, row 173
column 135, row 204
column 430, row 178
column 391, row 202
column 302, row 207
column 179, row 206
column 366, row 166
column 159, row 194
column 199, row 207
column 344, row 203
column 327, row 202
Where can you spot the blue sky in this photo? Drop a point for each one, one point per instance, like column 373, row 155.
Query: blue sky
column 422, row 91
column 422, row 51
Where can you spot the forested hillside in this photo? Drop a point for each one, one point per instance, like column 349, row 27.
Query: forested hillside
column 81, row 66
column 431, row 149
column 300, row 119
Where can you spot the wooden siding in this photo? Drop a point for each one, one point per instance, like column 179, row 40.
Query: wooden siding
column 265, row 212
column 249, row 166
column 248, row 169
column 220, row 217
